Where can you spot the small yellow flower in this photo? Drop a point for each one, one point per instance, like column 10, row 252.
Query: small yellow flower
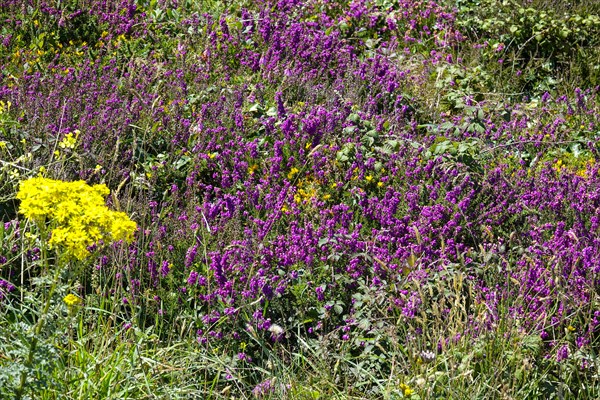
column 4, row 106
column 30, row 236
column 69, row 140
column 71, row 300
column 406, row 390
column 369, row 178
column 380, row 184
column 571, row 328
column 293, row 172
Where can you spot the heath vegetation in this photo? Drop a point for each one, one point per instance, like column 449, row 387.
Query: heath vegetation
column 285, row 199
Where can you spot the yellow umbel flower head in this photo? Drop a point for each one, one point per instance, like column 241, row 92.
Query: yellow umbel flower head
column 75, row 212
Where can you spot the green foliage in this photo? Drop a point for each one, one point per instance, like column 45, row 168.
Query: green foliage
column 37, row 36
column 543, row 45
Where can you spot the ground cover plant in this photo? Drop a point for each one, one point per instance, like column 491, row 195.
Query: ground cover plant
column 299, row 199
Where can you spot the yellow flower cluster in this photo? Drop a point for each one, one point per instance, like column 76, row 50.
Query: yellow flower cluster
column 293, row 172
column 309, row 188
column 579, row 166
column 306, row 192
column 76, row 214
column 406, row 390
column 69, row 140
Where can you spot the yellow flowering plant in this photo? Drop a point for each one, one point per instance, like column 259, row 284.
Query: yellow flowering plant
column 75, row 212
column 70, row 218
column 71, row 300
column 69, row 140
column 406, row 390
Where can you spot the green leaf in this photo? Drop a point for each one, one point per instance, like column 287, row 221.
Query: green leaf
column 271, row 112
column 338, row 309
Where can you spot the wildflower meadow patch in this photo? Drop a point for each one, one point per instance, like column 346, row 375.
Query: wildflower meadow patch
column 299, row 199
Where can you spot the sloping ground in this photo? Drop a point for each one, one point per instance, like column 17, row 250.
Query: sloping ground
column 367, row 198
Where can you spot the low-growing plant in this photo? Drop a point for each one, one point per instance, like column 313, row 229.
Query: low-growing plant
column 63, row 221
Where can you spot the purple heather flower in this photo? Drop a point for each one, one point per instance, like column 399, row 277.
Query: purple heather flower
column 264, row 389
column 562, row 353
column 193, row 278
